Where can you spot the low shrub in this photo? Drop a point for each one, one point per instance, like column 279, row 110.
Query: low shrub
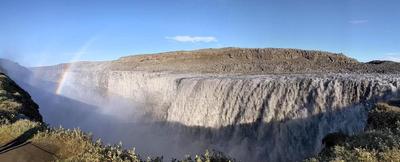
column 75, row 145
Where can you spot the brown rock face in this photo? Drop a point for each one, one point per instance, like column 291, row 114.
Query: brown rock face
column 251, row 60
column 236, row 61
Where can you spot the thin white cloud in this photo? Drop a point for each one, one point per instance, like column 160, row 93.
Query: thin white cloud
column 355, row 22
column 193, row 39
column 393, row 56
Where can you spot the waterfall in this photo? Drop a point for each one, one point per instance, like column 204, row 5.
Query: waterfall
column 250, row 117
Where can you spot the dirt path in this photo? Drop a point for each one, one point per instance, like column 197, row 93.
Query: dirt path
column 26, row 152
column 20, row 149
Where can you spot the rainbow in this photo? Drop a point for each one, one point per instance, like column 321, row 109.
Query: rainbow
column 66, row 69
column 63, row 77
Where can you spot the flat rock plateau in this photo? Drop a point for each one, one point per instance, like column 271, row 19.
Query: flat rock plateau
column 244, row 61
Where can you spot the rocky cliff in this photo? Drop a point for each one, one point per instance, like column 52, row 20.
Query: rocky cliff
column 15, row 103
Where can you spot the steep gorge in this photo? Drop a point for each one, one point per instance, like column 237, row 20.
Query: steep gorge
column 254, row 104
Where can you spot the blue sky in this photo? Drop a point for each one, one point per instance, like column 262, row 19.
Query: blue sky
column 46, row 32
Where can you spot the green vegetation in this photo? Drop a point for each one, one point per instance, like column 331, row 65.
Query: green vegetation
column 20, row 121
column 75, row 145
column 379, row 142
column 67, row 145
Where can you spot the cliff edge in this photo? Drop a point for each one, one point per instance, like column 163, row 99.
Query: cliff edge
column 15, row 102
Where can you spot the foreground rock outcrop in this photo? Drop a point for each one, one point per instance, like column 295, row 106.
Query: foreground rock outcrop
column 15, row 102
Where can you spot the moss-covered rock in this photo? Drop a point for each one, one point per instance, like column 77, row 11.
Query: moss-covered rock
column 15, row 103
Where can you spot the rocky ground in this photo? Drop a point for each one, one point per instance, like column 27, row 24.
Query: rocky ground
column 245, row 61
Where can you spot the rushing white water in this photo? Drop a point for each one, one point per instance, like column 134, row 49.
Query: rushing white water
column 250, row 117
